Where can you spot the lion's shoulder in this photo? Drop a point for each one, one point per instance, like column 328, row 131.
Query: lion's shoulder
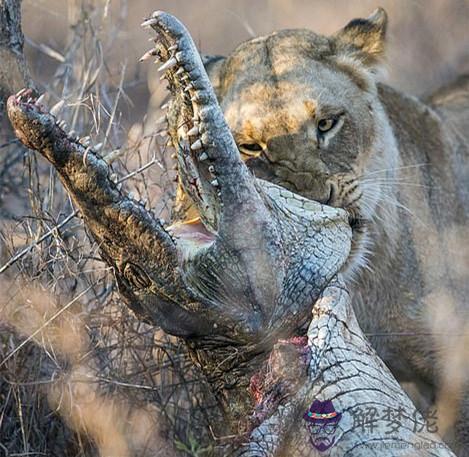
column 441, row 117
column 454, row 95
column 451, row 103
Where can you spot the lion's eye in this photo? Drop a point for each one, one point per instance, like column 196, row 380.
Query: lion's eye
column 250, row 148
column 324, row 125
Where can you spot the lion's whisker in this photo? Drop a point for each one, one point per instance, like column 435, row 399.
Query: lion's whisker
column 391, row 181
column 384, row 170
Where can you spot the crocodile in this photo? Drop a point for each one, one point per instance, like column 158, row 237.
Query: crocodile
column 254, row 288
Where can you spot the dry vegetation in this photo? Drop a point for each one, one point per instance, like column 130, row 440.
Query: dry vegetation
column 79, row 375
column 78, row 372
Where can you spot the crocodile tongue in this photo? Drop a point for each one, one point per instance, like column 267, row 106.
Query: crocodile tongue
column 190, row 237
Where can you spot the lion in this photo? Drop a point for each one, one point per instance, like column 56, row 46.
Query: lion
column 309, row 113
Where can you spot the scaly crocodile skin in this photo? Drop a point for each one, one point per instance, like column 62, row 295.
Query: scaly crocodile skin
column 230, row 289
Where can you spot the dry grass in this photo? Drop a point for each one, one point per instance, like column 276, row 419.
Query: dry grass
column 115, row 424
column 79, row 375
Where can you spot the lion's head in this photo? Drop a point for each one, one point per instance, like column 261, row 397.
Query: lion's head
column 305, row 113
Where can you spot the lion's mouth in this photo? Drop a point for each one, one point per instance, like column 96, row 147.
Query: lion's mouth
column 263, row 170
column 357, row 258
column 356, row 223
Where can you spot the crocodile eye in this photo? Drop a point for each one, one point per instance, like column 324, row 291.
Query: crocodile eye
column 252, row 149
column 324, row 125
column 136, row 276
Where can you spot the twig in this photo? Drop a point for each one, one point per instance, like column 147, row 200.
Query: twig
column 47, row 50
column 44, row 237
column 43, row 326
column 114, row 108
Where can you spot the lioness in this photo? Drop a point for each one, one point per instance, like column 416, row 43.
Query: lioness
column 308, row 114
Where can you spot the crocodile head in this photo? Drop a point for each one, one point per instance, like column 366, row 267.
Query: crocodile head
column 246, row 274
column 260, row 254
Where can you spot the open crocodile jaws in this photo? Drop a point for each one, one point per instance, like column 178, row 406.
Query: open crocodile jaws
column 262, row 254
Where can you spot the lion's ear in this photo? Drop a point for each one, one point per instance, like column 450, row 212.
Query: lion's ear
column 364, row 38
column 213, row 66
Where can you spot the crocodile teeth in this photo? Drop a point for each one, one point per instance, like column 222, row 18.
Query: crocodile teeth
column 180, row 71
column 173, row 47
column 214, row 183
column 57, row 108
column 85, row 141
column 62, row 125
column 149, row 22
column 203, row 156
column 21, row 92
column 188, row 87
column 169, row 64
column 195, row 98
column 98, row 147
column 113, row 177
column 165, row 106
column 148, row 55
column 179, row 56
column 196, row 145
column 193, row 131
column 40, row 99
